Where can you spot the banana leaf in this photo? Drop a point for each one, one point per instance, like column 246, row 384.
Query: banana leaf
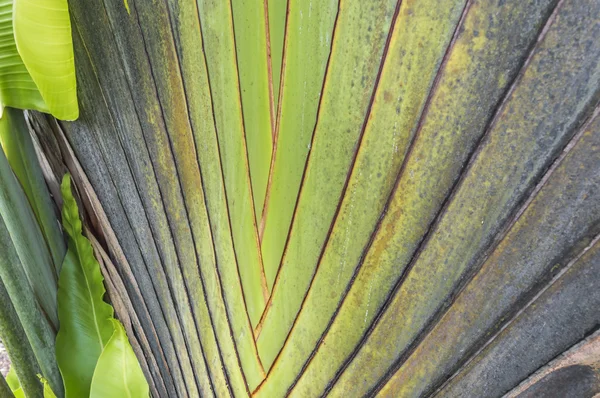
column 37, row 64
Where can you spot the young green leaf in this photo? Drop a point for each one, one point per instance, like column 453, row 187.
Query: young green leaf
column 37, row 69
column 118, row 373
column 17, row 88
column 85, row 326
column 43, row 39
column 48, row 393
column 14, row 384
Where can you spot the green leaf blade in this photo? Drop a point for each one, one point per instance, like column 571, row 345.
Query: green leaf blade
column 14, row 384
column 20, row 152
column 85, row 326
column 5, row 390
column 43, row 38
column 17, row 88
column 20, row 229
column 22, row 356
column 118, row 373
column 48, row 393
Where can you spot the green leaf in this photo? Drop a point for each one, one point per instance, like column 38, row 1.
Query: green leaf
column 24, row 234
column 118, row 373
column 85, row 326
column 27, row 273
column 22, row 356
column 43, row 38
column 20, row 152
column 17, row 88
column 48, row 393
column 37, row 69
column 5, row 390
column 14, row 384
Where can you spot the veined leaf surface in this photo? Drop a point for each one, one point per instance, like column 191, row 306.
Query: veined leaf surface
column 118, row 373
column 352, row 76
column 43, row 39
column 85, row 319
column 17, row 88
column 37, row 68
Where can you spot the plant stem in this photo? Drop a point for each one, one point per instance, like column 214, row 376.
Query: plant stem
column 20, row 352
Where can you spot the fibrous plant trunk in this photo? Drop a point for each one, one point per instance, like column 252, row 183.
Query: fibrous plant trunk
column 343, row 197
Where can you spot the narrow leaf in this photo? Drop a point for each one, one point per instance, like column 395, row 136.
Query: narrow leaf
column 25, row 235
column 24, row 279
column 21, row 354
column 85, row 326
column 118, row 373
column 20, row 152
column 14, row 384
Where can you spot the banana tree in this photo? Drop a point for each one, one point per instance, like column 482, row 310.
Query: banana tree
column 343, row 197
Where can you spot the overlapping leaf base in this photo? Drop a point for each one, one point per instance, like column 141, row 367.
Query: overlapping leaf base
column 395, row 198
